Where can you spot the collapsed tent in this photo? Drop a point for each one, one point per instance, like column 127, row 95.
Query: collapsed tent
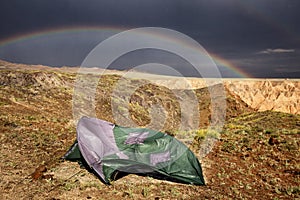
column 112, row 151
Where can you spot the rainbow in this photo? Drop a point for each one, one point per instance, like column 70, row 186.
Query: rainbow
column 110, row 30
column 59, row 30
column 239, row 73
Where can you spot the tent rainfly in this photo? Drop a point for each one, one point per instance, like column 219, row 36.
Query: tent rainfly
column 112, row 151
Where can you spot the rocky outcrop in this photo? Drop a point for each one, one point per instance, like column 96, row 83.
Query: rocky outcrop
column 276, row 95
column 36, row 79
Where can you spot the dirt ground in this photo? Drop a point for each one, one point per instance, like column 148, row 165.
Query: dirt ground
column 256, row 155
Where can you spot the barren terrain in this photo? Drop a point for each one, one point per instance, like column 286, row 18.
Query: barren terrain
column 255, row 156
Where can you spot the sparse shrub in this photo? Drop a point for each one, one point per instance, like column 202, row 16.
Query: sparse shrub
column 268, row 131
column 228, row 146
column 201, row 134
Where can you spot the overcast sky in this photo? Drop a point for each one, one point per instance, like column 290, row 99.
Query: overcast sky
column 259, row 37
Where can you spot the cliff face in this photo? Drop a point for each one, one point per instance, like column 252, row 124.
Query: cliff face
column 276, row 95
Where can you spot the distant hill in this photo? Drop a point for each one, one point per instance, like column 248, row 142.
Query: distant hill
column 277, row 95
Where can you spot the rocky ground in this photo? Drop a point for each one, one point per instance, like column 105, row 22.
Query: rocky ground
column 255, row 156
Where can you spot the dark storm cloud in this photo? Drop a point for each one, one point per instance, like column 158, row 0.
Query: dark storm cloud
column 233, row 29
column 17, row 16
column 228, row 18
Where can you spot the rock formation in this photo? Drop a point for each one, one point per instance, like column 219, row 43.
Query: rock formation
column 277, row 95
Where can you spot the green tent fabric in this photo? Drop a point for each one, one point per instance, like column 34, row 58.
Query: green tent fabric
column 112, row 151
